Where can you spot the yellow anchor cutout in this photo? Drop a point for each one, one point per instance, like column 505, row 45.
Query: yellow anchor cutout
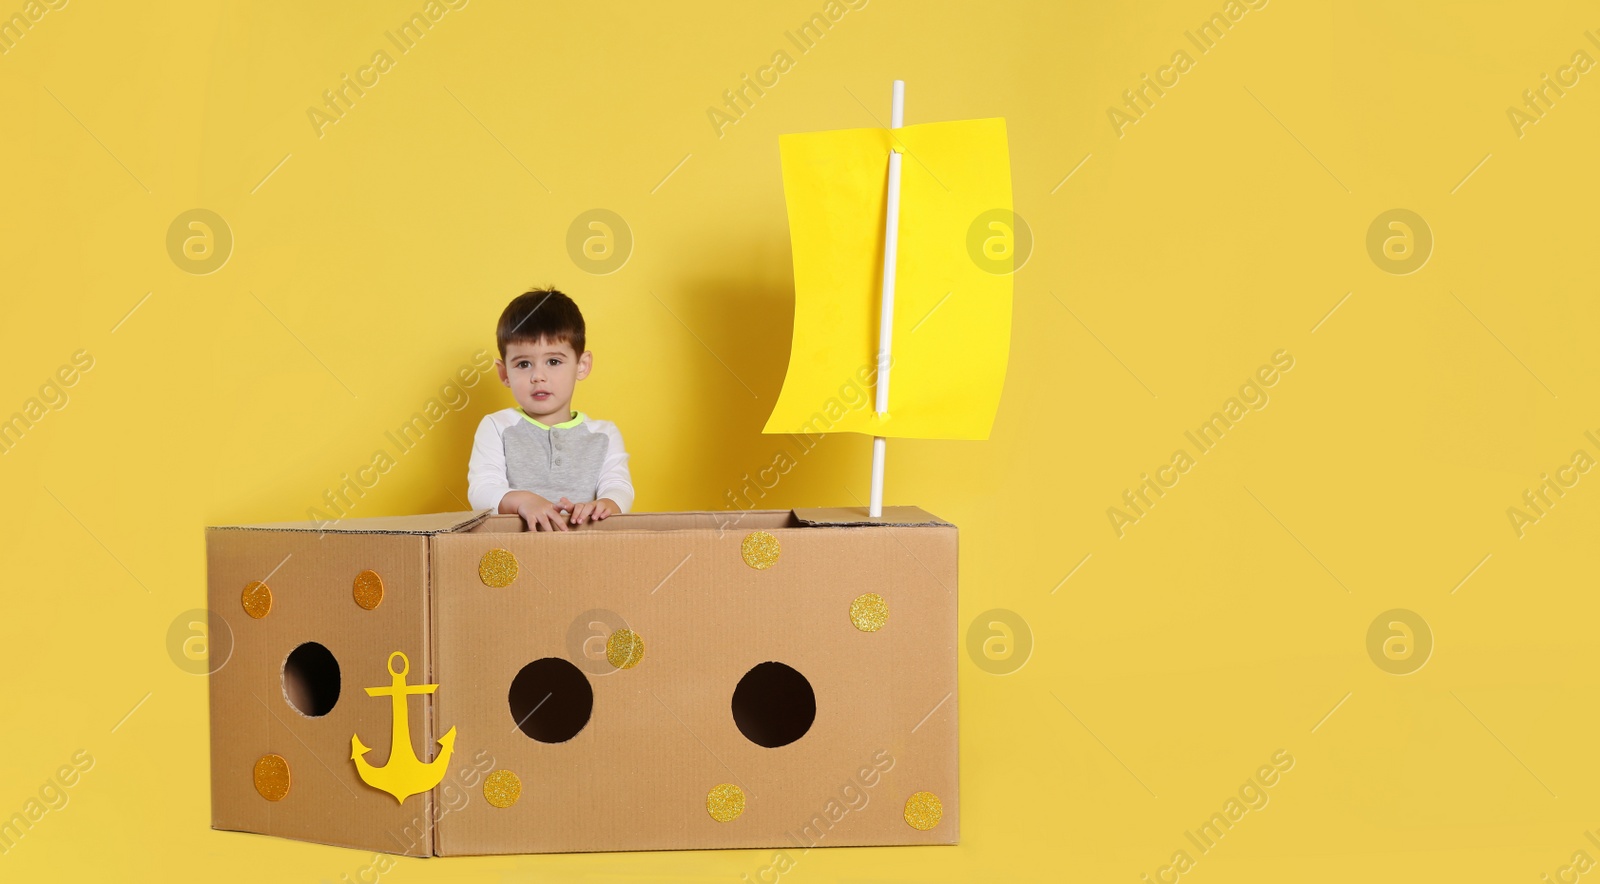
column 404, row 774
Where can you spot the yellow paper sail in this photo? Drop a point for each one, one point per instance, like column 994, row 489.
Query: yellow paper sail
column 952, row 302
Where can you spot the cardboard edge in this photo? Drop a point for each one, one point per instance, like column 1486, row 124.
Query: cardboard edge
column 955, row 677
column 326, row 842
column 430, row 715
column 802, row 517
column 466, row 520
column 856, row 516
column 778, row 846
column 640, row 522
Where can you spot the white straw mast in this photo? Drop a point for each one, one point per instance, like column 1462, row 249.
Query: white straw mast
column 891, row 247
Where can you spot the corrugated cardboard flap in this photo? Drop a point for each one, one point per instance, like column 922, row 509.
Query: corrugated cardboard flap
column 432, row 523
column 687, row 520
column 840, row 516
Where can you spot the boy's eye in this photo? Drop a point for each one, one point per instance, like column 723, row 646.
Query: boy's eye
column 554, row 361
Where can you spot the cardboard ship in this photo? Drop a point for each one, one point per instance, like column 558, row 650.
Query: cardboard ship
column 771, row 679
column 454, row 684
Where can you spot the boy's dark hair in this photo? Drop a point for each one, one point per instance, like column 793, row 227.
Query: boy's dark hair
column 541, row 314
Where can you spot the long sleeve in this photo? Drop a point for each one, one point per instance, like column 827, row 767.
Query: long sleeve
column 616, row 482
column 486, row 471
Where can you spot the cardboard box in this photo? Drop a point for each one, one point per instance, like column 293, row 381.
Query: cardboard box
column 655, row 681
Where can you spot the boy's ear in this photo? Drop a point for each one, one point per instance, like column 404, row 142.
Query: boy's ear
column 500, row 369
column 585, row 364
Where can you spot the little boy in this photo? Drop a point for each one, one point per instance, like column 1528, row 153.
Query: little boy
column 543, row 461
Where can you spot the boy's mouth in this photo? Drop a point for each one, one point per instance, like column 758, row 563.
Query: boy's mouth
column 540, row 395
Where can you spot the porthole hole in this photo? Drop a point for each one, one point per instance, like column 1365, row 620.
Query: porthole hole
column 774, row 705
column 551, row 700
column 311, row 680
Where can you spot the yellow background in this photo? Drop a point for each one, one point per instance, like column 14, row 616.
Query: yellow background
column 1222, row 227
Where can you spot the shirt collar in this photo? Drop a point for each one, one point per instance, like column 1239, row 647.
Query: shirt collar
column 578, row 417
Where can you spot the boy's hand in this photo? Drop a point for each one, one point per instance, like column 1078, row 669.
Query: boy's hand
column 538, row 513
column 596, row 510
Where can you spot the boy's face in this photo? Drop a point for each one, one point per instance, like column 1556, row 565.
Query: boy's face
column 541, row 375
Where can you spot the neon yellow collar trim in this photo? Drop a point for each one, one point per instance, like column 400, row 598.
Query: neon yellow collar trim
column 578, row 417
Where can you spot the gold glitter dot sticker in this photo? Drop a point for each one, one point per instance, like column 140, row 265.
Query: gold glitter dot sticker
column 257, row 599
column 624, row 649
column 869, row 612
column 368, row 589
column 725, row 802
column 502, row 788
column 760, row 550
column 923, row 811
column 498, row 567
column 271, row 775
